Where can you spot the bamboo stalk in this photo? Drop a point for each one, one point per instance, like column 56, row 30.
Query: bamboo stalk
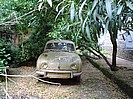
column 6, row 84
column 30, row 76
column 46, row 81
column 6, row 93
column 12, row 21
column 24, row 76
column 4, row 67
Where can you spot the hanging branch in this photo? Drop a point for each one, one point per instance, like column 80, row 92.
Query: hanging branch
column 103, row 56
column 30, row 76
column 14, row 21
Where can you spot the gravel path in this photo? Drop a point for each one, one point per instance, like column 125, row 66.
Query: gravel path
column 93, row 85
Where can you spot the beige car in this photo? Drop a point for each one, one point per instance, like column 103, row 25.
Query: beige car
column 59, row 60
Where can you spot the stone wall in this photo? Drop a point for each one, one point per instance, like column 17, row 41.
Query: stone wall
column 126, row 54
column 122, row 51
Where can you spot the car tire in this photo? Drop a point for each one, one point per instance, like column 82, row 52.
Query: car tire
column 77, row 78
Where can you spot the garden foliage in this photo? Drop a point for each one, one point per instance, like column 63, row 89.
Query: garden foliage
column 82, row 21
column 5, row 55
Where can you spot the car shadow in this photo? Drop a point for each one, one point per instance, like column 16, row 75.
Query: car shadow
column 62, row 81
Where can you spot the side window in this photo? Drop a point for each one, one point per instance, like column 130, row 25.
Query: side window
column 49, row 46
column 70, row 47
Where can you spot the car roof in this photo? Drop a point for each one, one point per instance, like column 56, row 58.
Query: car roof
column 66, row 41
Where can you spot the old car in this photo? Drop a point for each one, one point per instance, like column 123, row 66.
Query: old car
column 59, row 60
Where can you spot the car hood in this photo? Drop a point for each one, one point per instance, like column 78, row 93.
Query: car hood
column 58, row 55
column 58, row 60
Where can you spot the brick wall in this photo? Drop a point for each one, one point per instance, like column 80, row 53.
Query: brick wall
column 126, row 54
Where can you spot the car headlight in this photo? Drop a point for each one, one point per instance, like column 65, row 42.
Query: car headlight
column 44, row 65
column 74, row 66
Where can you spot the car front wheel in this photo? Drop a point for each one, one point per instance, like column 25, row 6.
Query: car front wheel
column 77, row 78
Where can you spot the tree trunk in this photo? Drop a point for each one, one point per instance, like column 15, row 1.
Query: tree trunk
column 114, row 52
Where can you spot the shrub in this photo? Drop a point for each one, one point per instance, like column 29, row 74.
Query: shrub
column 5, row 56
column 5, row 53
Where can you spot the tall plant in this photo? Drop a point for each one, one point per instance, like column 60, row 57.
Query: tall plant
column 5, row 55
column 30, row 22
column 97, row 17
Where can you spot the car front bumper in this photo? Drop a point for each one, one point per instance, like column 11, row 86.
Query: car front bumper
column 58, row 74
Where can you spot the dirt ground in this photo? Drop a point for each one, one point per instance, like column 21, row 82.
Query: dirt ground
column 93, row 85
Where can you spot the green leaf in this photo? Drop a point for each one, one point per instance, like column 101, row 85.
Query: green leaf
column 129, row 5
column 72, row 12
column 88, row 12
column 76, row 17
column 6, row 55
column 2, row 61
column 80, row 10
column 40, row 6
column 57, row 7
column 83, row 25
column 95, row 14
column 119, row 10
column 67, row 30
column 100, row 18
column 88, row 31
column 6, row 63
column 61, row 11
column 50, row 2
column 108, row 8
column 106, row 27
column 9, row 58
column 94, row 5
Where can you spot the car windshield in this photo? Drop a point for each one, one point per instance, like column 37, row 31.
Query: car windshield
column 60, row 46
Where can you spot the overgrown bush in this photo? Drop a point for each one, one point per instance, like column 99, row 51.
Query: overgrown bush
column 30, row 49
column 5, row 53
column 5, row 56
column 34, row 46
